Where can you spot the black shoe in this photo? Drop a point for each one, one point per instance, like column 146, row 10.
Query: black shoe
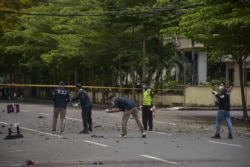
column 90, row 130
column 150, row 129
column 216, row 137
column 84, row 132
column 230, row 136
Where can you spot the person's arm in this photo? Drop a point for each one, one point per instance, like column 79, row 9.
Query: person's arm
column 75, row 98
column 68, row 98
column 153, row 97
column 114, row 109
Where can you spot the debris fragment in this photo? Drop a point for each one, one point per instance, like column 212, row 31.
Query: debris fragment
column 97, row 126
column 30, row 162
column 41, row 116
column 98, row 163
column 95, row 136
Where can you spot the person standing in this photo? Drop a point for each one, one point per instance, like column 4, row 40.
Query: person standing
column 61, row 98
column 147, row 106
column 128, row 108
column 223, row 100
column 87, row 106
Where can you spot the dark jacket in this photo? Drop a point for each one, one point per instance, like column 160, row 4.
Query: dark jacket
column 61, row 97
column 224, row 100
column 84, row 99
column 123, row 104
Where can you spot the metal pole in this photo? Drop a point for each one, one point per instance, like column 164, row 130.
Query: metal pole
column 192, row 42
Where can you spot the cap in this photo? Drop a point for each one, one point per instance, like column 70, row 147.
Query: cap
column 111, row 97
column 61, row 83
column 79, row 85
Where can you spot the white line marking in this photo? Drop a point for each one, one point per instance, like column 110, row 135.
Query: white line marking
column 170, row 123
column 75, row 119
column 33, row 130
column 226, row 144
column 162, row 133
column 99, row 144
column 25, row 111
column 159, row 159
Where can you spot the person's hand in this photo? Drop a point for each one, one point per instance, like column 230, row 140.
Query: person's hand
column 106, row 110
column 214, row 92
column 152, row 108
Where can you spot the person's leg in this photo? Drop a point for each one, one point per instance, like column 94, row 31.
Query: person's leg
column 217, row 122
column 62, row 116
column 90, row 119
column 150, row 119
column 125, row 118
column 136, row 117
column 84, row 121
column 144, row 117
column 229, row 124
column 55, row 116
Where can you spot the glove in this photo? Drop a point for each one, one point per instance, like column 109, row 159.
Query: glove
column 214, row 92
column 152, row 108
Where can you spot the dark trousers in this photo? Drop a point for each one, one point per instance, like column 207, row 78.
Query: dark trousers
column 87, row 118
column 147, row 118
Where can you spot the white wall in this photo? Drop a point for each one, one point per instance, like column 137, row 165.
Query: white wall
column 202, row 67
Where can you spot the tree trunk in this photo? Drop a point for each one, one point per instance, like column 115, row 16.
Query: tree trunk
column 133, row 68
column 245, row 115
column 144, row 40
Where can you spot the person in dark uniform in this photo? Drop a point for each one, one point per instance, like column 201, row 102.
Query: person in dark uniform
column 147, row 106
column 86, row 109
column 223, row 102
column 61, row 98
column 128, row 108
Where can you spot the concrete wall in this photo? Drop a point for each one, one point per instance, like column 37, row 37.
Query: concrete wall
column 202, row 96
column 193, row 96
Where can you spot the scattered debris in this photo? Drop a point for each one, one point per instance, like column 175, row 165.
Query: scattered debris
column 41, row 116
column 98, row 163
column 30, row 162
column 95, row 136
column 97, row 126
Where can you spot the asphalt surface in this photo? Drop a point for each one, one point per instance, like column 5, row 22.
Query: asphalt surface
column 181, row 138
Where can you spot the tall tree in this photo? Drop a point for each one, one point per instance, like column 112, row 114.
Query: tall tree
column 223, row 28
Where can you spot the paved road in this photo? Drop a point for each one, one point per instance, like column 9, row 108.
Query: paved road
column 180, row 139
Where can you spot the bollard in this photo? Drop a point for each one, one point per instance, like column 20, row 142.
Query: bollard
column 13, row 109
